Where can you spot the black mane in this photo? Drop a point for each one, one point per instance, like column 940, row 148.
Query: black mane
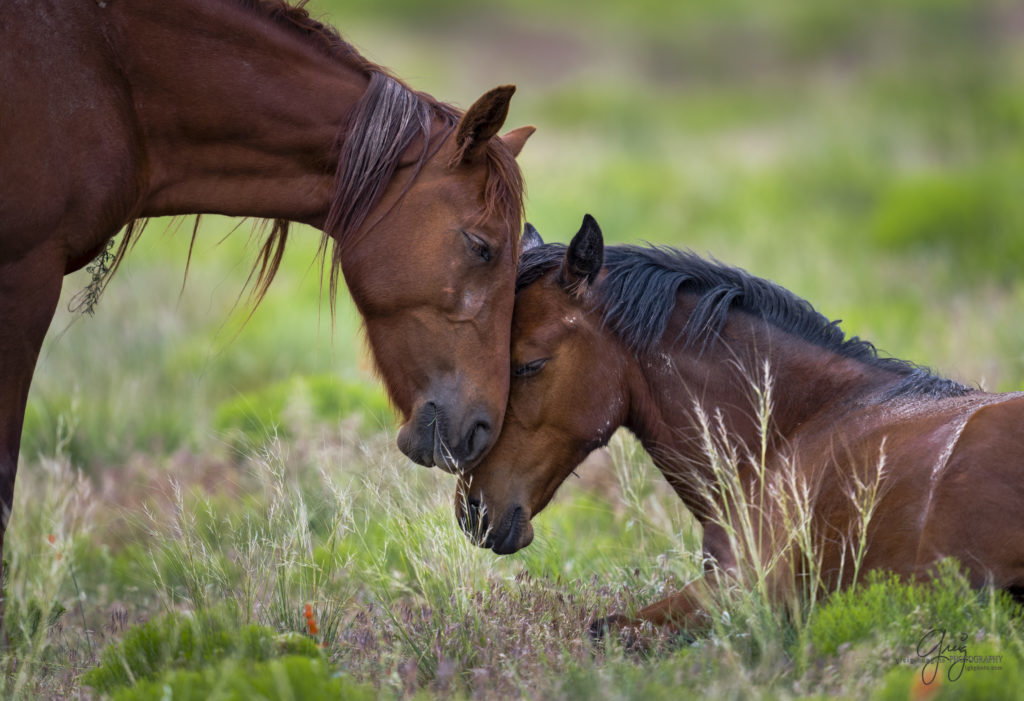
column 639, row 291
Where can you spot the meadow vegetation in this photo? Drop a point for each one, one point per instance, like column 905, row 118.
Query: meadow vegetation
column 194, row 477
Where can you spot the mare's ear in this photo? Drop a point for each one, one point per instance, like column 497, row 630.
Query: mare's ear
column 531, row 239
column 481, row 122
column 583, row 258
column 516, row 139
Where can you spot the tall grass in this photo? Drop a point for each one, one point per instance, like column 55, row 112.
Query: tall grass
column 399, row 599
column 42, row 591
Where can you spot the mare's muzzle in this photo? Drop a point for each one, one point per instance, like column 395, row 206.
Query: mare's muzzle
column 433, row 436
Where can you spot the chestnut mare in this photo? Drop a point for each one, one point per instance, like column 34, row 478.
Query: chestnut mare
column 672, row 347
column 116, row 111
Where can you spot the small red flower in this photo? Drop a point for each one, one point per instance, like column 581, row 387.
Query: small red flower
column 310, row 622
column 921, row 690
column 52, row 538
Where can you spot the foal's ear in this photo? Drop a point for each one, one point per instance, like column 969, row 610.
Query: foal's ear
column 481, row 122
column 531, row 239
column 583, row 258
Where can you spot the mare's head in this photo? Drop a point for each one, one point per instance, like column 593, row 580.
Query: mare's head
column 432, row 266
column 567, row 392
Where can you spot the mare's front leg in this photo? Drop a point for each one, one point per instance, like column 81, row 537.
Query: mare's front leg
column 29, row 291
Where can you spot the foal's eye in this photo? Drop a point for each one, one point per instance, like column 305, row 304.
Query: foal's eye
column 478, row 246
column 529, row 369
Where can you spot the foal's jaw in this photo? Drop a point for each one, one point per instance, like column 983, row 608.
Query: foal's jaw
column 503, row 532
column 516, row 533
column 512, row 532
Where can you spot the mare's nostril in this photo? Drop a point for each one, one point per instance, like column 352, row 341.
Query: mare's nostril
column 478, row 439
column 416, row 436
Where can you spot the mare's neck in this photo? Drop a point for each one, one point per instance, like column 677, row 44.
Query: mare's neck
column 236, row 113
column 672, row 387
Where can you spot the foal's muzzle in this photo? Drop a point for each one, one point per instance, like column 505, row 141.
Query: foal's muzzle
column 509, row 534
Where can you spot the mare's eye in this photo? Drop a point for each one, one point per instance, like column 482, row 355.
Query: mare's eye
column 478, row 246
column 529, row 369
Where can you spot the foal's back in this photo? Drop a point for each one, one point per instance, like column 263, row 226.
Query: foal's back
column 953, row 484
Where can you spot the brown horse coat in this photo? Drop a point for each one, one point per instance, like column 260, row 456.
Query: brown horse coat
column 120, row 110
column 799, row 450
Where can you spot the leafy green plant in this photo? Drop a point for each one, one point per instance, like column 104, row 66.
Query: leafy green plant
column 887, row 608
column 194, row 642
column 289, row 677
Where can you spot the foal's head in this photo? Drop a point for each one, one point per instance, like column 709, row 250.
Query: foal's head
column 567, row 393
column 432, row 270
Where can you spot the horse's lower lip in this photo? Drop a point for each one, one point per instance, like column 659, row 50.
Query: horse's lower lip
column 510, row 543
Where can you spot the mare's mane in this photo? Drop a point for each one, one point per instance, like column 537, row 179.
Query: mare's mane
column 388, row 119
column 639, row 291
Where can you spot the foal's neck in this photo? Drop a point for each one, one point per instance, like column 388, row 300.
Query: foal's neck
column 236, row 113
column 752, row 378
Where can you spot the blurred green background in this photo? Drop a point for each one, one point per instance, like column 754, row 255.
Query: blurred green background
column 867, row 155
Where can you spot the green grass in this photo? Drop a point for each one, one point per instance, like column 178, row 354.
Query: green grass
column 292, row 677
column 402, row 604
column 174, row 642
column 191, row 462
